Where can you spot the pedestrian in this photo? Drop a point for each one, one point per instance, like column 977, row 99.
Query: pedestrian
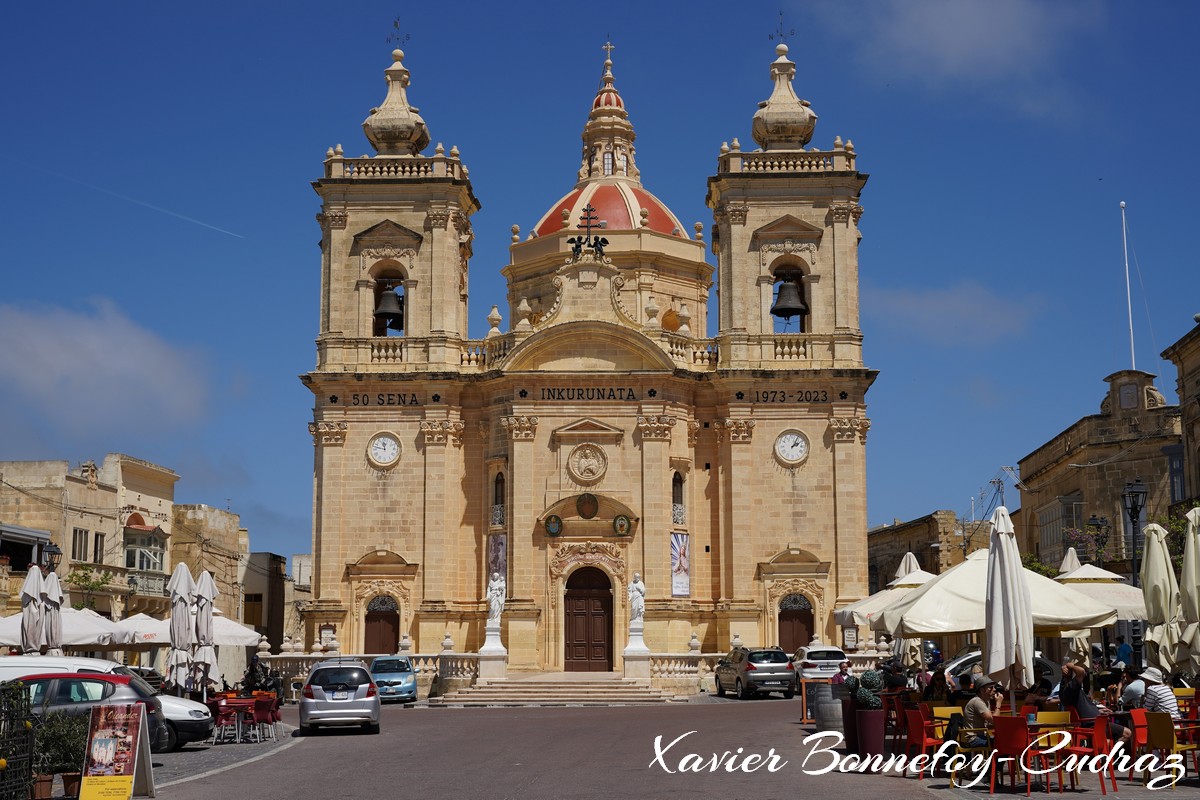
column 1124, row 651
column 1158, row 696
column 842, row 674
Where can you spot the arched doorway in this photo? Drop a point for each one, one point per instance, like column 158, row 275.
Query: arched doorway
column 588, row 622
column 382, row 629
column 795, row 622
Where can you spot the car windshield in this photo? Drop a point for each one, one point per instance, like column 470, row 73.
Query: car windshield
column 139, row 685
column 339, row 676
column 825, row 655
column 768, row 657
column 390, row 665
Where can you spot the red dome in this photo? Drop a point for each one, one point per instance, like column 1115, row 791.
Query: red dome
column 619, row 204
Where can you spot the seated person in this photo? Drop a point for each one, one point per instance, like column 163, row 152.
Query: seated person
column 1039, row 695
column 1132, row 689
column 965, row 690
column 977, row 714
column 936, row 689
column 1158, row 696
column 1111, row 676
column 1074, row 692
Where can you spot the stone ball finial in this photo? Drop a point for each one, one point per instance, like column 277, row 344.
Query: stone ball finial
column 781, row 49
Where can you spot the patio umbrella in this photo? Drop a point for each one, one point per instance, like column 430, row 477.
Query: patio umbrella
column 908, row 565
column 182, row 590
column 52, row 597
column 862, row 611
column 1188, row 650
column 79, row 629
column 955, row 602
column 144, row 629
column 229, row 632
column 1107, row 587
column 206, row 654
column 1162, row 599
column 1070, row 562
column 1009, row 609
column 32, row 611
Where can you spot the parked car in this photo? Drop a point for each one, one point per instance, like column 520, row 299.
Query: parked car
column 818, row 661
column 396, row 678
column 78, row 693
column 186, row 720
column 339, row 692
column 1042, row 667
column 747, row 671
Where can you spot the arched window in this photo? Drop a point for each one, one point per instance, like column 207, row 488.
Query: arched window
column 498, row 499
column 608, row 164
column 678, row 515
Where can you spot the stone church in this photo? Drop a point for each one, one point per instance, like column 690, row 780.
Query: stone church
column 612, row 428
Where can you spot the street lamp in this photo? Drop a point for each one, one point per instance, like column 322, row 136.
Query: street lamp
column 1135, row 501
column 131, row 584
column 1100, row 530
column 52, row 555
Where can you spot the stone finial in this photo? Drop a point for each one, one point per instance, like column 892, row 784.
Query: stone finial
column 329, row 153
column 736, row 146
column 405, row 644
column 524, row 312
column 737, row 641
column 699, row 227
column 685, row 317
column 338, row 151
column 454, row 151
column 783, row 121
column 724, row 148
column 439, row 149
column 566, row 217
column 694, row 643
column 447, row 643
column 652, row 313
column 516, row 233
column 493, row 319
column 317, row 648
column 645, row 215
column 837, row 143
column 264, row 647
column 395, row 127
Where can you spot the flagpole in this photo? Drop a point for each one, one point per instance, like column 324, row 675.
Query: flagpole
column 1128, row 296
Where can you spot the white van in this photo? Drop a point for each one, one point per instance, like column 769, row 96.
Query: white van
column 187, row 721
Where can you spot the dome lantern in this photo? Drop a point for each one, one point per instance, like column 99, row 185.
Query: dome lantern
column 395, row 128
column 783, row 121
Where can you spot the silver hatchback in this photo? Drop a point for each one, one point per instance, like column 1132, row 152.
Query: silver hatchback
column 339, row 692
column 747, row 671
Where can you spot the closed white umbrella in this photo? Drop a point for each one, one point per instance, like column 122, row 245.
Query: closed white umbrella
column 955, row 602
column 32, row 611
column 182, row 590
column 1070, row 562
column 1188, row 650
column 1162, row 599
column 1009, row 632
column 52, row 595
column 206, row 654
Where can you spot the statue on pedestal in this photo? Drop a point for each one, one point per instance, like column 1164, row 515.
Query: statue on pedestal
column 495, row 596
column 637, row 598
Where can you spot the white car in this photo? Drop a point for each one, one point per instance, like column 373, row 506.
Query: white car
column 818, row 661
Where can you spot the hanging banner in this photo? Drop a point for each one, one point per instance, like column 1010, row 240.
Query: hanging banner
column 117, row 760
column 681, row 579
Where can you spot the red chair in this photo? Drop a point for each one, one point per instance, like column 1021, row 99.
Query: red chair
column 1099, row 745
column 1137, row 717
column 1015, row 747
column 225, row 720
column 920, row 736
column 262, row 717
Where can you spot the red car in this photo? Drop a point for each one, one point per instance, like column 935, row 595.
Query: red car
column 78, row 692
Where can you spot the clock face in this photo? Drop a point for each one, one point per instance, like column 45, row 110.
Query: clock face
column 791, row 448
column 384, row 450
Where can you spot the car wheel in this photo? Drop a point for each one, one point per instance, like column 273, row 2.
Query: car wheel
column 742, row 690
column 720, row 687
column 371, row 727
column 789, row 693
column 173, row 742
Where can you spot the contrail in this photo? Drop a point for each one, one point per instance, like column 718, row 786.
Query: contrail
column 138, row 202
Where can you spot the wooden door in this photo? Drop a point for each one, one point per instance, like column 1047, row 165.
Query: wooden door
column 382, row 633
column 588, row 622
column 795, row 622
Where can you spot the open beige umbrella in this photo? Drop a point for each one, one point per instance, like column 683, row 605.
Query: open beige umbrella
column 1107, row 587
column 1187, row 652
column 1162, row 599
column 909, row 576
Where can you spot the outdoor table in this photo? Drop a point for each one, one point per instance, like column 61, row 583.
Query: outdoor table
column 241, row 706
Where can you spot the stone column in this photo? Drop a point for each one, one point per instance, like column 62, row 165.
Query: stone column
column 522, row 627
column 850, row 511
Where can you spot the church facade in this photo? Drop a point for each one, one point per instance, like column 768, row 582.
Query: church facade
column 605, row 432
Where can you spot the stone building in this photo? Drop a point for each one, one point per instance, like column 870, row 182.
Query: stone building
column 1185, row 355
column 213, row 539
column 606, row 432
column 1082, row 472
column 939, row 541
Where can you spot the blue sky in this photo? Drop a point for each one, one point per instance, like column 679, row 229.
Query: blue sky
column 161, row 263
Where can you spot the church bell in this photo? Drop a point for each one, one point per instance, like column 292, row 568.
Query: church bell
column 389, row 312
column 787, row 302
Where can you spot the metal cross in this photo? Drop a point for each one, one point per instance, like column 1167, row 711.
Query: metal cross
column 608, row 47
column 587, row 219
column 781, row 34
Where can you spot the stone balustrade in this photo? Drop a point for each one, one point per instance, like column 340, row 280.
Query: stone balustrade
column 392, row 168
column 440, row 673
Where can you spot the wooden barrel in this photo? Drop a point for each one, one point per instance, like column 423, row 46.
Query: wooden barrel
column 829, row 716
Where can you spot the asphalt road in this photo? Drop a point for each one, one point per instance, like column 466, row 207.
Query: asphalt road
column 560, row 753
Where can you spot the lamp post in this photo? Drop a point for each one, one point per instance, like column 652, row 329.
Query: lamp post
column 1100, row 530
column 52, row 554
column 1135, row 501
column 131, row 583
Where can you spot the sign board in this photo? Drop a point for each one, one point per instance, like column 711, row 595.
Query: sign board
column 849, row 638
column 117, row 760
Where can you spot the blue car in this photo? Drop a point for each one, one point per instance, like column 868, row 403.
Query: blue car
column 396, row 678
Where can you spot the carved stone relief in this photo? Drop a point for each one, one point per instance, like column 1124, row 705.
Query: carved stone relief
column 589, row 554
column 331, row 433
column 587, row 463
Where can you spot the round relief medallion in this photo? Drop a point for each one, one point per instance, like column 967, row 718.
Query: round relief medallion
column 587, row 463
column 587, row 505
column 554, row 525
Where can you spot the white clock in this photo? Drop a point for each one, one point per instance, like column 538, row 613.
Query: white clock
column 383, row 450
column 791, row 448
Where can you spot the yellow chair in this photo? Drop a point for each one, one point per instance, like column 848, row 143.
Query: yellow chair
column 941, row 717
column 1160, row 735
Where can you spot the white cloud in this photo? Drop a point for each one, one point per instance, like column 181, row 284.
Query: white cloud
column 79, row 373
column 979, row 44
column 966, row 315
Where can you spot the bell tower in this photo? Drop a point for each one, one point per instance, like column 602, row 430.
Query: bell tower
column 786, row 237
column 395, row 242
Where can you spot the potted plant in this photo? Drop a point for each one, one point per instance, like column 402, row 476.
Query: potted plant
column 868, row 714
column 61, row 741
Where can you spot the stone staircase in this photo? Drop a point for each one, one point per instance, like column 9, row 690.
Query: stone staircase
column 557, row 689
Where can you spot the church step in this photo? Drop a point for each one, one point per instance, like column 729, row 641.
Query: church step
column 600, row 692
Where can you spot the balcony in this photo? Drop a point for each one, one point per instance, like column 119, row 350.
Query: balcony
column 678, row 515
column 149, row 584
column 498, row 516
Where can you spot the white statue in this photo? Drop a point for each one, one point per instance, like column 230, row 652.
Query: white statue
column 495, row 596
column 637, row 597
